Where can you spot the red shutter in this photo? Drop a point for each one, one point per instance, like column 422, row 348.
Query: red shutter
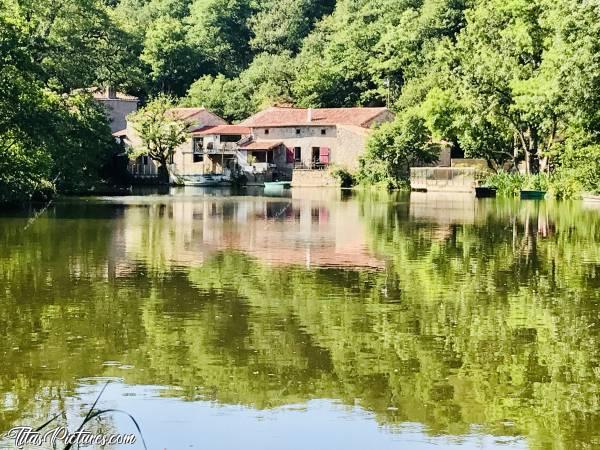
column 289, row 153
column 324, row 155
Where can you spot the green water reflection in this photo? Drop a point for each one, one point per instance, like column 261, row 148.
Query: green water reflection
column 435, row 310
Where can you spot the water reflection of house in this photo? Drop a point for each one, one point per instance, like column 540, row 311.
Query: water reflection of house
column 282, row 232
column 443, row 208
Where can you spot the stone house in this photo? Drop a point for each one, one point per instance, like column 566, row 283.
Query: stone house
column 298, row 141
column 185, row 160
column 216, row 148
column 277, row 143
column 117, row 105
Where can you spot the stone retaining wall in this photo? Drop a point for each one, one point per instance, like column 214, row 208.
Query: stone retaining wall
column 314, row 178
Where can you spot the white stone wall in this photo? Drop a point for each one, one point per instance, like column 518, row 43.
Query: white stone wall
column 117, row 111
column 309, row 137
column 346, row 144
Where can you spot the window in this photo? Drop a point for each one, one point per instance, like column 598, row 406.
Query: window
column 231, row 137
column 267, row 131
column 171, row 158
column 297, row 154
column 145, row 160
column 260, row 157
column 323, row 132
column 297, row 130
column 197, row 150
column 270, row 156
column 198, row 145
column 316, row 151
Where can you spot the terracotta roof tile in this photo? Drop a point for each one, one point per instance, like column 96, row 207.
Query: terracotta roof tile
column 282, row 117
column 261, row 145
column 223, row 129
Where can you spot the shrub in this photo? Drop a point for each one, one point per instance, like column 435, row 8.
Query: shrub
column 510, row 184
column 565, row 184
column 506, row 184
column 393, row 148
column 537, row 182
column 346, row 178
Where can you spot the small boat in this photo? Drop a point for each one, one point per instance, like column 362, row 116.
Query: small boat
column 278, row 184
column 591, row 198
column 206, row 180
column 532, row 195
column 485, row 192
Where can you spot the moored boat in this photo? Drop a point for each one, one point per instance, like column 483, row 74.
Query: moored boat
column 485, row 192
column 532, row 195
column 205, row 180
column 591, row 198
column 281, row 184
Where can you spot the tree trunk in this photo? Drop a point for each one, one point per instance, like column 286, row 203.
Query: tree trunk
column 163, row 173
column 534, row 157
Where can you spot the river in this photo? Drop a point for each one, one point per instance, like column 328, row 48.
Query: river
column 315, row 320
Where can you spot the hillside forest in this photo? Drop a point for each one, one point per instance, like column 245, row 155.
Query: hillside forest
column 511, row 81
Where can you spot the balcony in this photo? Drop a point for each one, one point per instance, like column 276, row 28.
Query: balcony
column 314, row 165
column 225, row 148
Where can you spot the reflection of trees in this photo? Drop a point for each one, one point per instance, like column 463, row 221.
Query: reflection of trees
column 485, row 323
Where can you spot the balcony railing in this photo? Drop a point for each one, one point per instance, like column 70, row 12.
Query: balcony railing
column 222, row 148
column 315, row 165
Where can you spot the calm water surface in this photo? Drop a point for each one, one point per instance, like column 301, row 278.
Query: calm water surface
column 318, row 320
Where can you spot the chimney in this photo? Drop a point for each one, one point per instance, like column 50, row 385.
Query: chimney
column 309, row 115
column 111, row 92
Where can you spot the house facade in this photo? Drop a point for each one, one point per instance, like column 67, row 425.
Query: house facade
column 117, row 105
column 296, row 140
column 186, row 160
column 275, row 144
column 216, row 148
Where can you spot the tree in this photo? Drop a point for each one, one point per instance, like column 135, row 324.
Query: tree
column 218, row 29
column 281, row 25
column 266, row 82
column 228, row 98
column 160, row 132
column 47, row 140
column 74, row 43
column 173, row 63
column 502, row 68
column 393, row 148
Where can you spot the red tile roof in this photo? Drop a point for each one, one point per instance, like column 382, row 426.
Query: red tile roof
column 222, row 129
column 191, row 115
column 282, row 117
column 261, row 145
column 197, row 131
column 185, row 113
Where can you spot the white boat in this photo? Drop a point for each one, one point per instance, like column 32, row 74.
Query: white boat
column 591, row 198
column 205, row 180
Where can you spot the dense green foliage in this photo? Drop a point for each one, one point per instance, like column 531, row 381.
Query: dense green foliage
column 49, row 140
column 511, row 184
column 516, row 83
column 393, row 149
